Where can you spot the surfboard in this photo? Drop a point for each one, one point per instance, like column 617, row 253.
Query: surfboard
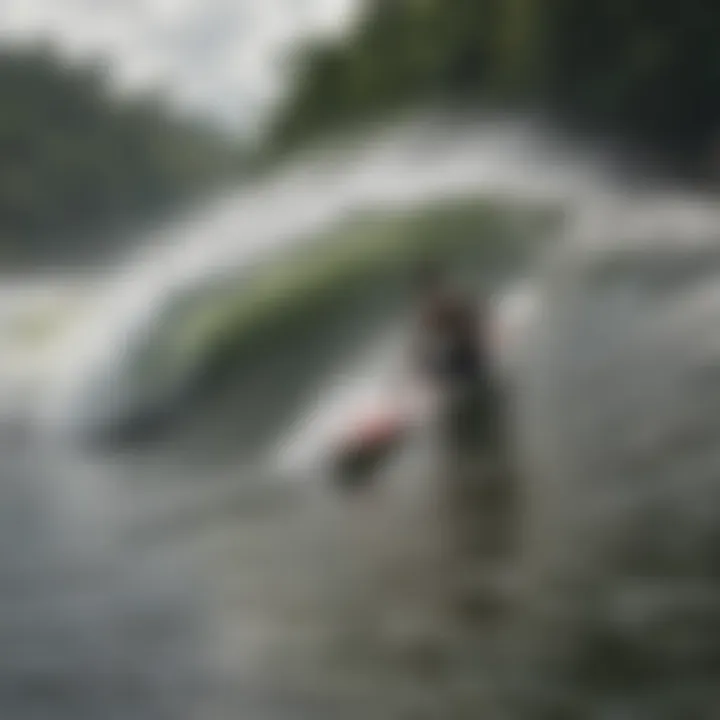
column 372, row 435
column 368, row 442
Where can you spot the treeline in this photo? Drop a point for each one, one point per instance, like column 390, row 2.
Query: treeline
column 76, row 162
column 648, row 70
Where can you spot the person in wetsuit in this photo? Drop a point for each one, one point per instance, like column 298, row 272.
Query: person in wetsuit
column 452, row 353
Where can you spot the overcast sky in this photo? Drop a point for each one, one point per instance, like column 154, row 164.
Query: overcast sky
column 222, row 57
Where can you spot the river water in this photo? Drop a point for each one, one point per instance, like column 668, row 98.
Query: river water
column 193, row 577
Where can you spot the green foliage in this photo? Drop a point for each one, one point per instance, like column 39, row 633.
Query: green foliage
column 647, row 69
column 76, row 161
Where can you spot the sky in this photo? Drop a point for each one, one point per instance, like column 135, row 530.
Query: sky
column 225, row 59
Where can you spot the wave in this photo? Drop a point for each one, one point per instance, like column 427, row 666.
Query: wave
column 124, row 355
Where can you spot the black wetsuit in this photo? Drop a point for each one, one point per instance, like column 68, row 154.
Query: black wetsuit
column 459, row 364
column 453, row 362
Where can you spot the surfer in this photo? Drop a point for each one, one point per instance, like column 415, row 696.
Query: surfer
column 451, row 354
column 450, row 358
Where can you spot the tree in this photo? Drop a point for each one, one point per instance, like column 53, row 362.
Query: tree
column 78, row 161
column 646, row 69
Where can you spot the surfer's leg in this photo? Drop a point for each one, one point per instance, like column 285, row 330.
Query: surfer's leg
column 477, row 472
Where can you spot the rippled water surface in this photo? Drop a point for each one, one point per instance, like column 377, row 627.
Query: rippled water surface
column 188, row 577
